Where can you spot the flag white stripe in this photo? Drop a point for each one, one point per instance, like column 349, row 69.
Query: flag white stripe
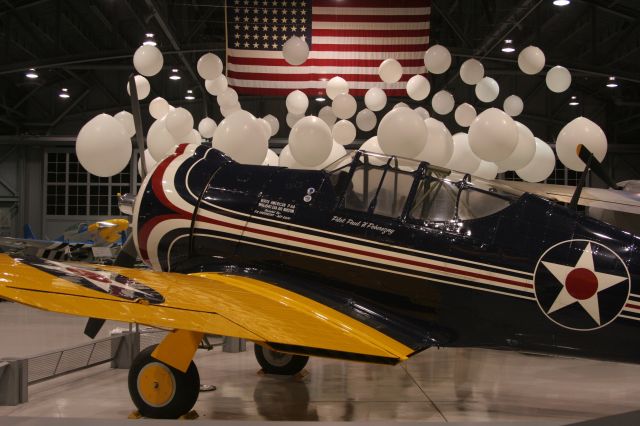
column 283, row 70
column 260, row 84
column 385, row 11
column 371, row 26
column 368, row 41
column 327, row 55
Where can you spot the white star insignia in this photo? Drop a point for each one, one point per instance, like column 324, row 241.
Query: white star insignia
column 581, row 284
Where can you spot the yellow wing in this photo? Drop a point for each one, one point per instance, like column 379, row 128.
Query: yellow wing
column 207, row 302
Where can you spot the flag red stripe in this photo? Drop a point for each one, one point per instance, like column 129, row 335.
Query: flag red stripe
column 370, row 18
column 372, row 3
column 368, row 48
column 322, row 62
column 270, row 91
column 370, row 33
column 306, row 77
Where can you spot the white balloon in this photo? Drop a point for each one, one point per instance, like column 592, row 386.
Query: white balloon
column 337, row 152
column 372, row 145
column 207, row 127
column 292, row 119
column 375, row 99
column 493, row 135
column 583, row 131
column 402, row 132
column 513, row 105
column 326, row 114
column 558, row 79
column 400, row 105
column 465, row 114
column 148, row 60
column 531, row 60
column 366, row 120
column 463, row 159
column 487, row 89
column 439, row 147
column 471, row 71
column 336, row 86
column 103, row 147
column 344, row 106
column 437, row 59
column 266, row 127
column 390, row 70
column 343, row 132
column 193, row 137
column 286, row 159
column 142, row 87
column 227, row 110
column 227, row 98
column 310, row 141
column 209, row 66
column 523, row 153
column 418, row 87
column 241, row 137
column 179, row 122
column 216, row 86
column 125, row 118
column 271, row 159
column 297, row 102
column 158, row 108
column 423, row 112
column 295, row 51
column 442, row 102
column 541, row 166
column 486, row 170
column 273, row 122
column 159, row 140
column 149, row 162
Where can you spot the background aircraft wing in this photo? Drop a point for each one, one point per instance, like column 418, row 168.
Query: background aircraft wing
column 210, row 303
column 609, row 199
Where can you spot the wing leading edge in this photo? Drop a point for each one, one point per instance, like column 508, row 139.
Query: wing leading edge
column 207, row 302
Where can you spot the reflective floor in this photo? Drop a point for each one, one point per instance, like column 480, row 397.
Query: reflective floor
column 447, row 385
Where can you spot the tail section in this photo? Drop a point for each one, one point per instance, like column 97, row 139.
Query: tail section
column 28, row 233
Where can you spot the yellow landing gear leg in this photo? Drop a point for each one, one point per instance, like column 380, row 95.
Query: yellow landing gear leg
column 163, row 380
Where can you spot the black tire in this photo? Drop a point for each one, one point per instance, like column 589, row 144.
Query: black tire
column 273, row 362
column 177, row 394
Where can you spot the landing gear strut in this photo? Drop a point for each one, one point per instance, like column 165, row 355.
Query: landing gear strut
column 159, row 390
column 273, row 362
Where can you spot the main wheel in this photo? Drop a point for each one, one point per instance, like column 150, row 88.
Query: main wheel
column 159, row 390
column 273, row 362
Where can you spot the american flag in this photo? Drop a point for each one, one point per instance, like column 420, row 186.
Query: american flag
column 347, row 38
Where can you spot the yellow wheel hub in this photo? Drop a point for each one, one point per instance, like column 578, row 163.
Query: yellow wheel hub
column 156, row 384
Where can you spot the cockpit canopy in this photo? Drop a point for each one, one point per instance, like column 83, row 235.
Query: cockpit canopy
column 403, row 188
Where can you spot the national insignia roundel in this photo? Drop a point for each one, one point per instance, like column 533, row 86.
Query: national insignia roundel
column 581, row 285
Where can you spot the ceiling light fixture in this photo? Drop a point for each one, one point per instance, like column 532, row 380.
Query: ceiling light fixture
column 612, row 82
column 561, row 2
column 64, row 93
column 174, row 74
column 320, row 99
column 149, row 41
column 508, row 46
column 31, row 73
column 189, row 95
column 574, row 101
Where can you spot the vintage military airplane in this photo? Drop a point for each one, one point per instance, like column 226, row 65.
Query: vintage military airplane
column 76, row 242
column 373, row 259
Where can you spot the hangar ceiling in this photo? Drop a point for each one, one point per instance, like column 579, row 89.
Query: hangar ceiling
column 87, row 46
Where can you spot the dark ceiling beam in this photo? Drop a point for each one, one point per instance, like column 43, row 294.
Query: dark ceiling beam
column 452, row 24
column 198, row 26
column 164, row 26
column 99, row 13
column 68, row 109
column 86, row 58
column 608, row 7
column 12, row 8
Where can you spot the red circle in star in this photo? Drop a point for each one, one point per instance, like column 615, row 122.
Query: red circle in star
column 581, row 283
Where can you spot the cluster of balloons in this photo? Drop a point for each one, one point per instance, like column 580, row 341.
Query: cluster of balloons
column 494, row 143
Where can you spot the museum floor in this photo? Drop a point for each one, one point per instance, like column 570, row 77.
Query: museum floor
column 444, row 385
